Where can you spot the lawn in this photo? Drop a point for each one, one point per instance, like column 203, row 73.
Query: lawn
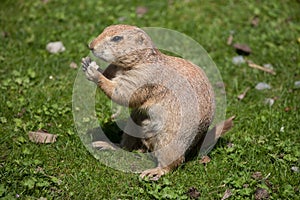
column 258, row 159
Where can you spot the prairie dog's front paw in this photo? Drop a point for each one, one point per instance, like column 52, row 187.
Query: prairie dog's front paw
column 90, row 69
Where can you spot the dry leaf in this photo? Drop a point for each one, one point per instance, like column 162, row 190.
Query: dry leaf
column 287, row 109
column 227, row 194
column 193, row 193
column 257, row 175
column 261, row 193
column 255, row 21
column 242, row 96
column 4, row 34
column 227, row 125
column 42, row 137
column 205, row 160
column 242, row 49
column 215, row 133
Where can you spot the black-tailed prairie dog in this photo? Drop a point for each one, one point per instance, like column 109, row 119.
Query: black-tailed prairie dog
column 172, row 100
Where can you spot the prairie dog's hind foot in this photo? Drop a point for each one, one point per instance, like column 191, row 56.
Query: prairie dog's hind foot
column 154, row 173
column 102, row 145
column 91, row 69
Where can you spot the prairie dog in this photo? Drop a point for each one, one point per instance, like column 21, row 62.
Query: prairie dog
column 172, row 99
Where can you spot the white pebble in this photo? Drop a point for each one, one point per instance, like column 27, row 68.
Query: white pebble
column 297, row 84
column 55, row 47
column 237, row 60
column 262, row 86
column 268, row 65
column 295, row 169
column 269, row 101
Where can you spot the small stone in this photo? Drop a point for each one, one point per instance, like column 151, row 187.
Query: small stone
column 237, row 60
column 73, row 65
column 220, row 84
column 121, row 19
column 262, row 86
column 269, row 101
column 297, row 84
column 242, row 49
column 21, row 113
column 205, row 160
column 55, row 47
column 268, row 65
column 282, row 129
column 141, row 10
column 287, row 109
column 230, row 145
column 295, row 169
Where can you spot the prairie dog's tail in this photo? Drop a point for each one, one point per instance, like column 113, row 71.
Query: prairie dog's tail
column 214, row 134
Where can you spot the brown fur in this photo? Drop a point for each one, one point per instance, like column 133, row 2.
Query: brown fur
column 172, row 98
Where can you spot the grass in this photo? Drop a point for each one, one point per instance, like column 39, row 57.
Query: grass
column 36, row 93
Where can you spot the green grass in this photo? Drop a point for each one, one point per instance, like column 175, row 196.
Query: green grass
column 30, row 100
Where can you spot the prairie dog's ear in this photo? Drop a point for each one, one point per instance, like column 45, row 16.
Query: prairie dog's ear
column 141, row 38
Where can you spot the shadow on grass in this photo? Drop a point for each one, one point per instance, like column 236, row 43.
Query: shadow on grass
column 119, row 159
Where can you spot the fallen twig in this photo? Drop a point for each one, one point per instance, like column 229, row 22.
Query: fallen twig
column 255, row 66
column 229, row 39
column 242, row 96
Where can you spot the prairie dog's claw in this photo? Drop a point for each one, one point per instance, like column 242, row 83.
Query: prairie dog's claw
column 85, row 62
column 154, row 174
column 90, row 69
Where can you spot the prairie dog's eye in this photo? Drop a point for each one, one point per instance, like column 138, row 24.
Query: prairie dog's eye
column 116, row 38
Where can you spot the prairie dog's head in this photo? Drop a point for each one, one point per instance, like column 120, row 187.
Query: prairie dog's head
column 118, row 41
